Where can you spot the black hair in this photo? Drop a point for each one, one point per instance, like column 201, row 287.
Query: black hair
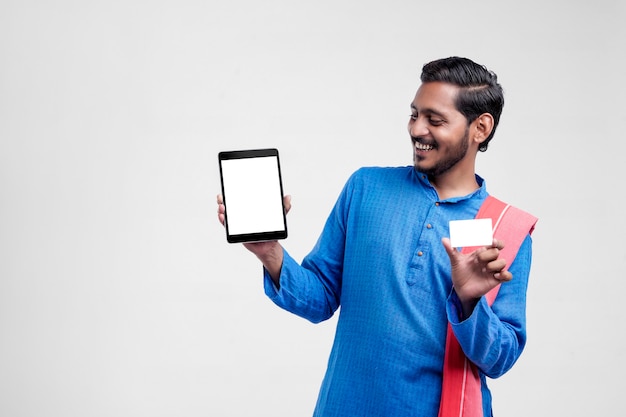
column 479, row 93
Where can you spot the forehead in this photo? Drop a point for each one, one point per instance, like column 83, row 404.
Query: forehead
column 436, row 96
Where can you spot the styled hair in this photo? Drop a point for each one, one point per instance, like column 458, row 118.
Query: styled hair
column 479, row 89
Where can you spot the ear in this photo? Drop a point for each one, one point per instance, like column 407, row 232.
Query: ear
column 483, row 125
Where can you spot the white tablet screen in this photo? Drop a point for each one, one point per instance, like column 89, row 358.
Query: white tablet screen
column 252, row 193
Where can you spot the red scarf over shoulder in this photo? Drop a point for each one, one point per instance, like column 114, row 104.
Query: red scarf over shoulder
column 461, row 395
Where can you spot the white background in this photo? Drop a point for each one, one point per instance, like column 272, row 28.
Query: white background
column 119, row 295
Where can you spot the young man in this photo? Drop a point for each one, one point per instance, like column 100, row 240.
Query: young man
column 383, row 256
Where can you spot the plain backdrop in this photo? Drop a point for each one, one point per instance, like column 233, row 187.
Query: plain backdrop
column 119, row 295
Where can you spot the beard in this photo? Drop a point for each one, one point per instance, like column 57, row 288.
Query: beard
column 455, row 154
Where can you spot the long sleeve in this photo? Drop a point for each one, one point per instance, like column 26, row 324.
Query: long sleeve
column 302, row 292
column 313, row 290
column 494, row 337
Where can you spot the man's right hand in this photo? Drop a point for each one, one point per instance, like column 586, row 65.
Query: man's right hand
column 270, row 253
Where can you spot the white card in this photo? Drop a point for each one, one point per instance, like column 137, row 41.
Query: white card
column 474, row 232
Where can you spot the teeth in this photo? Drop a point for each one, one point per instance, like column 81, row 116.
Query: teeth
column 423, row 147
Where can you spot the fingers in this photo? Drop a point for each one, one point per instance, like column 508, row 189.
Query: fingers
column 287, row 203
column 493, row 265
column 497, row 244
column 497, row 268
column 220, row 209
column 490, row 253
column 503, row 276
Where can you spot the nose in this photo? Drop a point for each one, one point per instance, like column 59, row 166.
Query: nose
column 417, row 127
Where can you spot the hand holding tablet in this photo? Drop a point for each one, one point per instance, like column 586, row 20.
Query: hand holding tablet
column 253, row 195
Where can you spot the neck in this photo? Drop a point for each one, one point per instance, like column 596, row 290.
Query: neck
column 454, row 184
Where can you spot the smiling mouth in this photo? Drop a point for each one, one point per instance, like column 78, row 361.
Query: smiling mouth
column 423, row 147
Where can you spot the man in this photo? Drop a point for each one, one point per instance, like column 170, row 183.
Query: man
column 384, row 257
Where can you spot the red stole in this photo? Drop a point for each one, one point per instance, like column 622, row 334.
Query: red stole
column 461, row 395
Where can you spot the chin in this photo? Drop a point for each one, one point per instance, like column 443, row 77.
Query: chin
column 419, row 165
column 428, row 170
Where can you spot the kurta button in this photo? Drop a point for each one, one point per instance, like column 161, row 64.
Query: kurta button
column 420, row 253
column 437, row 203
column 429, row 226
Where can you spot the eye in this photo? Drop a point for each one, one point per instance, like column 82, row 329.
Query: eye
column 413, row 116
column 435, row 121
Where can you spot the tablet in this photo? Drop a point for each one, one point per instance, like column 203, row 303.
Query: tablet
column 253, row 195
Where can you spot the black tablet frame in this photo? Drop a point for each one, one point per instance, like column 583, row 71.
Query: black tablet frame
column 261, row 236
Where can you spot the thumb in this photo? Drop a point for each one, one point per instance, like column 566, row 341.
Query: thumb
column 452, row 253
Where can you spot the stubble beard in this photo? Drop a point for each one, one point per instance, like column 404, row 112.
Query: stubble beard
column 443, row 166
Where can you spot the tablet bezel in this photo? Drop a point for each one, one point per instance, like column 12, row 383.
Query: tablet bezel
column 259, row 236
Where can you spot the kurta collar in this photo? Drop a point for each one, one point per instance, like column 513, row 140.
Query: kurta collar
column 481, row 192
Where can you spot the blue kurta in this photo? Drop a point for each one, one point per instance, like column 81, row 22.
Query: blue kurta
column 381, row 259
